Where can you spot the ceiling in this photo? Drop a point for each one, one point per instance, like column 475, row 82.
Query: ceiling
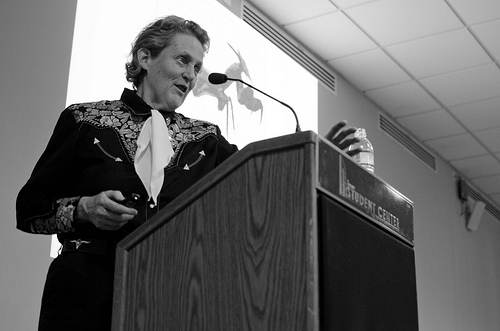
column 432, row 65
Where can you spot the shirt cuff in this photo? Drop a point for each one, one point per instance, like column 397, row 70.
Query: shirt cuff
column 65, row 217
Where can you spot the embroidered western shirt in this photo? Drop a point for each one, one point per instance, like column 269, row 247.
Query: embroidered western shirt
column 92, row 150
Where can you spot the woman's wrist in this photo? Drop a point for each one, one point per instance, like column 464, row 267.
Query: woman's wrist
column 79, row 212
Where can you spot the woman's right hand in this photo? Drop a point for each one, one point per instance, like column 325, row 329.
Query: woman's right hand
column 104, row 210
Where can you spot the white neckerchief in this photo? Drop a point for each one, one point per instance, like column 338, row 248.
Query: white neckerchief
column 153, row 154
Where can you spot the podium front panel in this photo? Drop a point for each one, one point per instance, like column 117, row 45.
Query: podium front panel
column 239, row 256
column 367, row 277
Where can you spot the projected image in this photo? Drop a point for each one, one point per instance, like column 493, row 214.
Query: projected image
column 236, row 49
column 245, row 94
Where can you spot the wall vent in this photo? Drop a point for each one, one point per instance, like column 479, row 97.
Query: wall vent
column 406, row 141
column 278, row 37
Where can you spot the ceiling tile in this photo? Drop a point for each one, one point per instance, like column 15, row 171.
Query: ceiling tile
column 488, row 36
column 403, row 99
column 444, row 52
column 296, row 10
column 496, row 198
column 480, row 115
column 370, row 70
column 479, row 166
column 394, row 21
column 488, row 184
column 490, row 138
column 475, row 11
column 331, row 36
column 431, row 125
column 457, row 147
column 465, row 86
column 349, row 3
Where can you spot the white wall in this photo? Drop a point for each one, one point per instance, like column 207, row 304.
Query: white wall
column 457, row 271
column 35, row 39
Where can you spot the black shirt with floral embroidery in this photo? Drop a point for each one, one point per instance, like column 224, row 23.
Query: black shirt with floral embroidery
column 92, row 150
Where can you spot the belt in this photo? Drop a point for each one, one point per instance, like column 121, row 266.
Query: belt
column 100, row 247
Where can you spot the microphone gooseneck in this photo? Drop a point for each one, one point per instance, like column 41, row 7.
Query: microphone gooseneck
column 218, row 78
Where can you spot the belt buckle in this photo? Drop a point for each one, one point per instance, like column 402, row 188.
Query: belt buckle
column 79, row 242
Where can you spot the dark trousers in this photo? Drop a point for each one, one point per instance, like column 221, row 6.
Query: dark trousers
column 78, row 293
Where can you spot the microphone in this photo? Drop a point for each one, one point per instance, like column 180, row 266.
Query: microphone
column 218, row 78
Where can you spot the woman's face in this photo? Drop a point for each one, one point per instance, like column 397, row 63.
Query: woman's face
column 172, row 74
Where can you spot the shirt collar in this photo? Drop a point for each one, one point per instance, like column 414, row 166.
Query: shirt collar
column 137, row 105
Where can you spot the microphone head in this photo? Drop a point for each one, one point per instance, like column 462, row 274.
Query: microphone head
column 217, row 78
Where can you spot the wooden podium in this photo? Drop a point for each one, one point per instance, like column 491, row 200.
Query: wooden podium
column 287, row 234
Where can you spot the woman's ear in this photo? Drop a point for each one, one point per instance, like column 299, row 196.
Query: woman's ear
column 143, row 57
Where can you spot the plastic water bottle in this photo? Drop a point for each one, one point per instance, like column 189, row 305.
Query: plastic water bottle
column 365, row 158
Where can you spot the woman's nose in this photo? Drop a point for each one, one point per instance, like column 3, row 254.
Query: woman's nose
column 190, row 73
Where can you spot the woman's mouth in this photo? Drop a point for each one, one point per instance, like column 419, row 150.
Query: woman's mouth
column 183, row 88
